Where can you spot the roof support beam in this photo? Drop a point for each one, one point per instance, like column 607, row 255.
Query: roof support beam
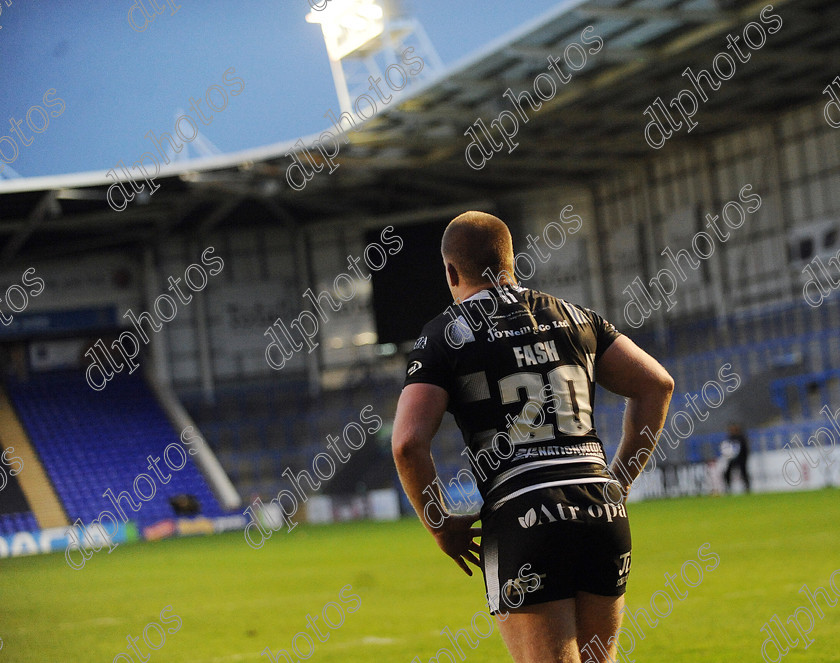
column 218, row 215
column 47, row 206
column 655, row 14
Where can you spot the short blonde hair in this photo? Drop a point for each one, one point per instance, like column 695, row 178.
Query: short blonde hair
column 475, row 242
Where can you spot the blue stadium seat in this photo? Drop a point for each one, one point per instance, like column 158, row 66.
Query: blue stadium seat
column 100, row 441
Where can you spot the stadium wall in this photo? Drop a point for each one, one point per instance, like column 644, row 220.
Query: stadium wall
column 267, row 275
column 104, row 279
column 793, row 165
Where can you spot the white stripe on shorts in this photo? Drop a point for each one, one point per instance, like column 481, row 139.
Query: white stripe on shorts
column 491, row 573
column 549, row 484
column 527, row 467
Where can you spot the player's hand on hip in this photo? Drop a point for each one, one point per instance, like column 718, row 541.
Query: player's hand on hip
column 623, row 486
column 456, row 537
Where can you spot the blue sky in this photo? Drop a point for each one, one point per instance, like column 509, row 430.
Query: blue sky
column 118, row 84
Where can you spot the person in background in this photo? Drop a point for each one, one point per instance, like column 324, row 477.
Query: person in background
column 737, row 449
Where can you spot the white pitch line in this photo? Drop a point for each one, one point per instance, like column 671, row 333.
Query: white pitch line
column 373, row 640
column 229, row 657
column 97, row 621
column 367, row 640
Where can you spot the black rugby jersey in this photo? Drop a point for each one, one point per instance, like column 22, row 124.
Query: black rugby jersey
column 519, row 366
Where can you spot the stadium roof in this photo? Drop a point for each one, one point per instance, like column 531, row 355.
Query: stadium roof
column 408, row 162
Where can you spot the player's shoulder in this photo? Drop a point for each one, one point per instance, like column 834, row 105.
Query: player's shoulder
column 452, row 328
column 546, row 299
column 433, row 332
column 575, row 312
column 436, row 325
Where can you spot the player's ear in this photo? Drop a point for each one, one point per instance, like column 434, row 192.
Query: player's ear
column 452, row 274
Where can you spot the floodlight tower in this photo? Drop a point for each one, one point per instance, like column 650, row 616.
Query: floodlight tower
column 364, row 38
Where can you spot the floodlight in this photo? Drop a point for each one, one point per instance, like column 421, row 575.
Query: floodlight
column 348, row 25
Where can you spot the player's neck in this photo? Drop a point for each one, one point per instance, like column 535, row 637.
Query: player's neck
column 467, row 291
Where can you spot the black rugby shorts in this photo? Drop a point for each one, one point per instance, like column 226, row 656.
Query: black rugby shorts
column 551, row 543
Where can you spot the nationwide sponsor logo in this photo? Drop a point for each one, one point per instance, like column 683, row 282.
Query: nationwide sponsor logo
column 414, row 366
column 541, row 451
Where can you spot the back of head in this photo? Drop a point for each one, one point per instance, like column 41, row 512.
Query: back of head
column 475, row 242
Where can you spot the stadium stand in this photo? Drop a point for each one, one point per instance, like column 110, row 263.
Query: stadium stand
column 259, row 430
column 87, row 448
column 17, row 522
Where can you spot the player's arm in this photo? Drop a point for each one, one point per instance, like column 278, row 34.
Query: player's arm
column 629, row 371
column 419, row 412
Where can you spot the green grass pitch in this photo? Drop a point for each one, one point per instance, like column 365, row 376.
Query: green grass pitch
column 235, row 601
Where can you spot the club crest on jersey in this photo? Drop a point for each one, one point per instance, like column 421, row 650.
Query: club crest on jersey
column 421, row 343
column 414, row 366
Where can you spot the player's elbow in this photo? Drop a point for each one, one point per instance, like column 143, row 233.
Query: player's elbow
column 661, row 386
column 665, row 384
column 399, row 447
column 656, row 385
column 406, row 446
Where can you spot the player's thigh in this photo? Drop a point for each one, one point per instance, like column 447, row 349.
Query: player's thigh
column 598, row 619
column 541, row 633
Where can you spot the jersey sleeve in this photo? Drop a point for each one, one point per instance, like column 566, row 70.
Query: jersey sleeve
column 429, row 362
column 605, row 333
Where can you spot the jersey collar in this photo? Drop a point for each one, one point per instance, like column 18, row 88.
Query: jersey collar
column 485, row 294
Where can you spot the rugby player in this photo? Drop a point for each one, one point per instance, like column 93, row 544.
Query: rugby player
column 517, row 368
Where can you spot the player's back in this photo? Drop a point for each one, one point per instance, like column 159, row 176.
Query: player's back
column 519, row 366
